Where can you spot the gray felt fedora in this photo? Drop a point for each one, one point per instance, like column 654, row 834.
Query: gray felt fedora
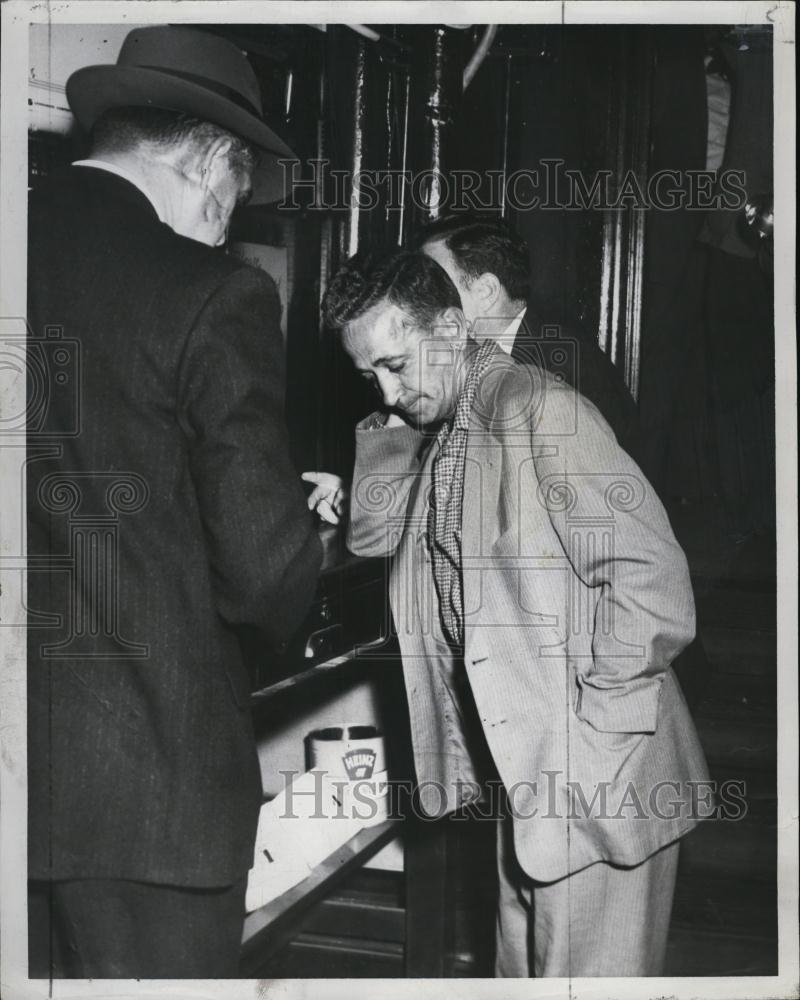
column 182, row 69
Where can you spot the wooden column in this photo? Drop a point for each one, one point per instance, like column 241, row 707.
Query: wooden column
column 628, row 141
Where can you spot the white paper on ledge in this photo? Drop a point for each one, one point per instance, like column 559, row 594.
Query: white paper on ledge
column 304, row 824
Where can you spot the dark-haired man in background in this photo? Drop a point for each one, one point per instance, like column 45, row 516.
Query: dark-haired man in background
column 168, row 519
column 488, row 262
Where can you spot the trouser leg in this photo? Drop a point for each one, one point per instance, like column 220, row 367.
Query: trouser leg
column 116, row 928
column 47, row 958
column 605, row 920
column 513, row 923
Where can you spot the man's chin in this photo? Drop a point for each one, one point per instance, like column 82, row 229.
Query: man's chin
column 415, row 415
column 422, row 416
column 423, row 421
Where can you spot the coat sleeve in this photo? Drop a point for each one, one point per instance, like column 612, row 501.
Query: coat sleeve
column 618, row 540
column 264, row 552
column 387, row 465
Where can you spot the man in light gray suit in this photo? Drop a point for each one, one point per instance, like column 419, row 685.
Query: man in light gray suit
column 535, row 573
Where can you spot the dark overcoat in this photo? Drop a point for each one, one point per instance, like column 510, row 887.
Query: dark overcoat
column 164, row 515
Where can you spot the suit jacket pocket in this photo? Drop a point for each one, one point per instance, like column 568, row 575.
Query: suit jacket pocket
column 600, row 740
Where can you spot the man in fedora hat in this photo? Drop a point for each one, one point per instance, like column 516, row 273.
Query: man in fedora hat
column 163, row 520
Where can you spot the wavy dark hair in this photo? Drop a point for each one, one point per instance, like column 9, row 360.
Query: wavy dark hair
column 481, row 244
column 410, row 280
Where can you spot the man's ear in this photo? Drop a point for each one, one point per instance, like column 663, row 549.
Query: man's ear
column 214, row 161
column 486, row 288
column 453, row 323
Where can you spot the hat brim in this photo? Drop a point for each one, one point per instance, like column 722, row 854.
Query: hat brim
column 95, row 89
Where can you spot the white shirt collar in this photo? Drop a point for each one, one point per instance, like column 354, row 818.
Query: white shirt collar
column 112, row 168
column 507, row 337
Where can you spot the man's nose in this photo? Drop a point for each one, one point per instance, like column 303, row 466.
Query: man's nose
column 389, row 386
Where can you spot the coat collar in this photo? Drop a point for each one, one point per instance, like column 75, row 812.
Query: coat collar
column 118, row 171
column 111, row 185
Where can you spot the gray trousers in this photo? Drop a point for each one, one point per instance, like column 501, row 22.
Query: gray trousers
column 604, row 920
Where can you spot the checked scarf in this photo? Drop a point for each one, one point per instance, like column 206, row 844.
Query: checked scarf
column 444, row 513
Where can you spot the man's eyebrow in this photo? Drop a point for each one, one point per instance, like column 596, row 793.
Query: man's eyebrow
column 389, row 359
column 382, row 362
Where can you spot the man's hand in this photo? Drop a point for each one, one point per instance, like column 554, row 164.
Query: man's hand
column 328, row 496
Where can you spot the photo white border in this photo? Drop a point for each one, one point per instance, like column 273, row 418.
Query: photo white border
column 16, row 17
